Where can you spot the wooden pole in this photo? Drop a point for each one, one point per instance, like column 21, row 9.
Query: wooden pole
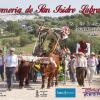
column 35, row 43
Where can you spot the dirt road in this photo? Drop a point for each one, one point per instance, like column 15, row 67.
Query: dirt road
column 34, row 91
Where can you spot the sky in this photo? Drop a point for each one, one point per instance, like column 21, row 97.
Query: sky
column 50, row 3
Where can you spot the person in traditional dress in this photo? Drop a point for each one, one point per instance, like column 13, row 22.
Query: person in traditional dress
column 1, row 65
column 66, row 60
column 91, row 69
column 81, row 65
column 98, row 66
column 72, row 68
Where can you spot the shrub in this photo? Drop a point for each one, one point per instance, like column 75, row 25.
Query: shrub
column 10, row 42
column 25, row 39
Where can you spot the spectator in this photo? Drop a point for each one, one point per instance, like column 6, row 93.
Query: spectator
column 11, row 63
column 66, row 60
column 98, row 66
column 92, row 63
column 1, row 65
column 81, row 65
column 72, row 68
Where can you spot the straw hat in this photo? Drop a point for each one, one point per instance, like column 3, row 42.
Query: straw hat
column 92, row 53
column 1, row 49
column 12, row 49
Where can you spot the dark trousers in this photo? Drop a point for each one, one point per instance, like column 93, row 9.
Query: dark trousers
column 72, row 75
column 80, row 75
column 2, row 72
column 9, row 74
column 98, row 69
column 34, row 75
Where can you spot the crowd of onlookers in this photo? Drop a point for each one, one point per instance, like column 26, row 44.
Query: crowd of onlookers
column 77, row 66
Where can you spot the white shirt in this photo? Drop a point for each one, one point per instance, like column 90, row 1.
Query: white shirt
column 1, row 60
column 92, row 61
column 73, row 62
column 81, row 62
column 11, row 60
column 66, row 61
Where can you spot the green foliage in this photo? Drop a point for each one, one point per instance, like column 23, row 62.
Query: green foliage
column 10, row 42
column 74, row 38
column 14, row 27
column 95, row 44
column 25, row 39
column 2, row 24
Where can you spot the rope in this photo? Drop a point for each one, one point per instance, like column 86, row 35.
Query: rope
column 55, row 46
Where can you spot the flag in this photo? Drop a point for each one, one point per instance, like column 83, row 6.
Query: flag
column 65, row 32
column 86, row 51
column 41, row 28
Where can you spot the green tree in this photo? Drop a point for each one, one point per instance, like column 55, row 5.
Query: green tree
column 14, row 27
column 25, row 39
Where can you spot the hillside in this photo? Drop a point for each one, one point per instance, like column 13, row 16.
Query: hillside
column 22, row 33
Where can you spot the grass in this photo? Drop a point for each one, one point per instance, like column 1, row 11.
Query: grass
column 8, row 38
column 27, row 48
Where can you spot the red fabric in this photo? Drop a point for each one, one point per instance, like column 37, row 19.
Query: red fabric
column 66, row 30
column 83, row 47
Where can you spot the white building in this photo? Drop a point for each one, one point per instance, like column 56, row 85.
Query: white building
column 16, row 17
